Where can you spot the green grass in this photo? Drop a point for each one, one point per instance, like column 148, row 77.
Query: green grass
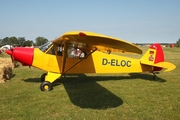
column 93, row 97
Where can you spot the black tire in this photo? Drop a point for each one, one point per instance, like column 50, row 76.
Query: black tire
column 46, row 86
column 43, row 77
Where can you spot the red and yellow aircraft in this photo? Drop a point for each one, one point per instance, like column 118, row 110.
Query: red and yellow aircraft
column 86, row 52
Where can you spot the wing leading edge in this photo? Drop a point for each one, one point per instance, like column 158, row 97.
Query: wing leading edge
column 99, row 41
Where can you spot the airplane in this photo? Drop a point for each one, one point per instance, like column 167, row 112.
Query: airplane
column 79, row 52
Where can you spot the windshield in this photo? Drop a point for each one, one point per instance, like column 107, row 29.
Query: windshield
column 45, row 46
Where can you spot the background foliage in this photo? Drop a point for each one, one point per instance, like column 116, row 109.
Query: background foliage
column 21, row 41
column 178, row 43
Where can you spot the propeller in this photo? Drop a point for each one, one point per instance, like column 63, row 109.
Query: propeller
column 10, row 52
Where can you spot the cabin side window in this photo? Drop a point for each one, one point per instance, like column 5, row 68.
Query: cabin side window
column 75, row 51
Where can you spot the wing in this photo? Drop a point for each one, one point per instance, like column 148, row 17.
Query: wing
column 99, row 42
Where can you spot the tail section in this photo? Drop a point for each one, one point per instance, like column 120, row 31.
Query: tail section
column 155, row 57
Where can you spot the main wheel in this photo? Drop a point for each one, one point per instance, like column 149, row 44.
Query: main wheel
column 43, row 77
column 46, row 86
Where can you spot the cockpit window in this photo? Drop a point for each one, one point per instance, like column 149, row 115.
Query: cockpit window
column 51, row 50
column 73, row 51
column 45, row 46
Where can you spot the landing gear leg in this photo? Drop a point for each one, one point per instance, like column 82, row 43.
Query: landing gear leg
column 43, row 77
column 47, row 80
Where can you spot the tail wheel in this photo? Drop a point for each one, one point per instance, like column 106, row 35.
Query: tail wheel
column 46, row 86
column 43, row 77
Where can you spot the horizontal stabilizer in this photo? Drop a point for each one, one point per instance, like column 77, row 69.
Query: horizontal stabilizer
column 165, row 65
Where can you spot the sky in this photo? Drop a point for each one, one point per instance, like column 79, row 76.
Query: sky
column 136, row 21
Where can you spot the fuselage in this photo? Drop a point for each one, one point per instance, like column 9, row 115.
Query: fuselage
column 97, row 62
column 71, row 61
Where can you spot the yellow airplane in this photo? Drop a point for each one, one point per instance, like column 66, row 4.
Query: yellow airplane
column 78, row 52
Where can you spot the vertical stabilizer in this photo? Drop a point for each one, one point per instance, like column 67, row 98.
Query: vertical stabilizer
column 153, row 56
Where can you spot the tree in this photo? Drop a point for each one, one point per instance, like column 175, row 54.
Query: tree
column 41, row 40
column 13, row 41
column 178, row 43
column 21, row 41
column 9, row 41
column 5, row 41
column 1, row 44
column 28, row 43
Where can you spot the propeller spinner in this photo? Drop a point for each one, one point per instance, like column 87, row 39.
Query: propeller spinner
column 22, row 54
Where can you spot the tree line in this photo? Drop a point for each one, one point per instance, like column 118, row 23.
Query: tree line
column 21, row 41
column 178, row 43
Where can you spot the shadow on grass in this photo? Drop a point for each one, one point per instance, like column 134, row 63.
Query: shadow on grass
column 85, row 92
column 148, row 77
column 37, row 80
column 132, row 76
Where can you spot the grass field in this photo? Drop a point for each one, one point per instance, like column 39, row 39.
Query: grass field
column 94, row 97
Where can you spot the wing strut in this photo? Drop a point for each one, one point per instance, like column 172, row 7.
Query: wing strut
column 80, row 60
column 64, row 57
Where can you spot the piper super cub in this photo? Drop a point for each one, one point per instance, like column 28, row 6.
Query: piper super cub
column 78, row 52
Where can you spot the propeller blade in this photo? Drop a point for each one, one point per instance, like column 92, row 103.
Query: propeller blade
column 10, row 52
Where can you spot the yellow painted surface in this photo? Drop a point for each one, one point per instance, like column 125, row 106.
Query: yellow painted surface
column 107, row 63
column 167, row 65
column 47, row 62
column 147, row 56
column 100, row 62
column 51, row 77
